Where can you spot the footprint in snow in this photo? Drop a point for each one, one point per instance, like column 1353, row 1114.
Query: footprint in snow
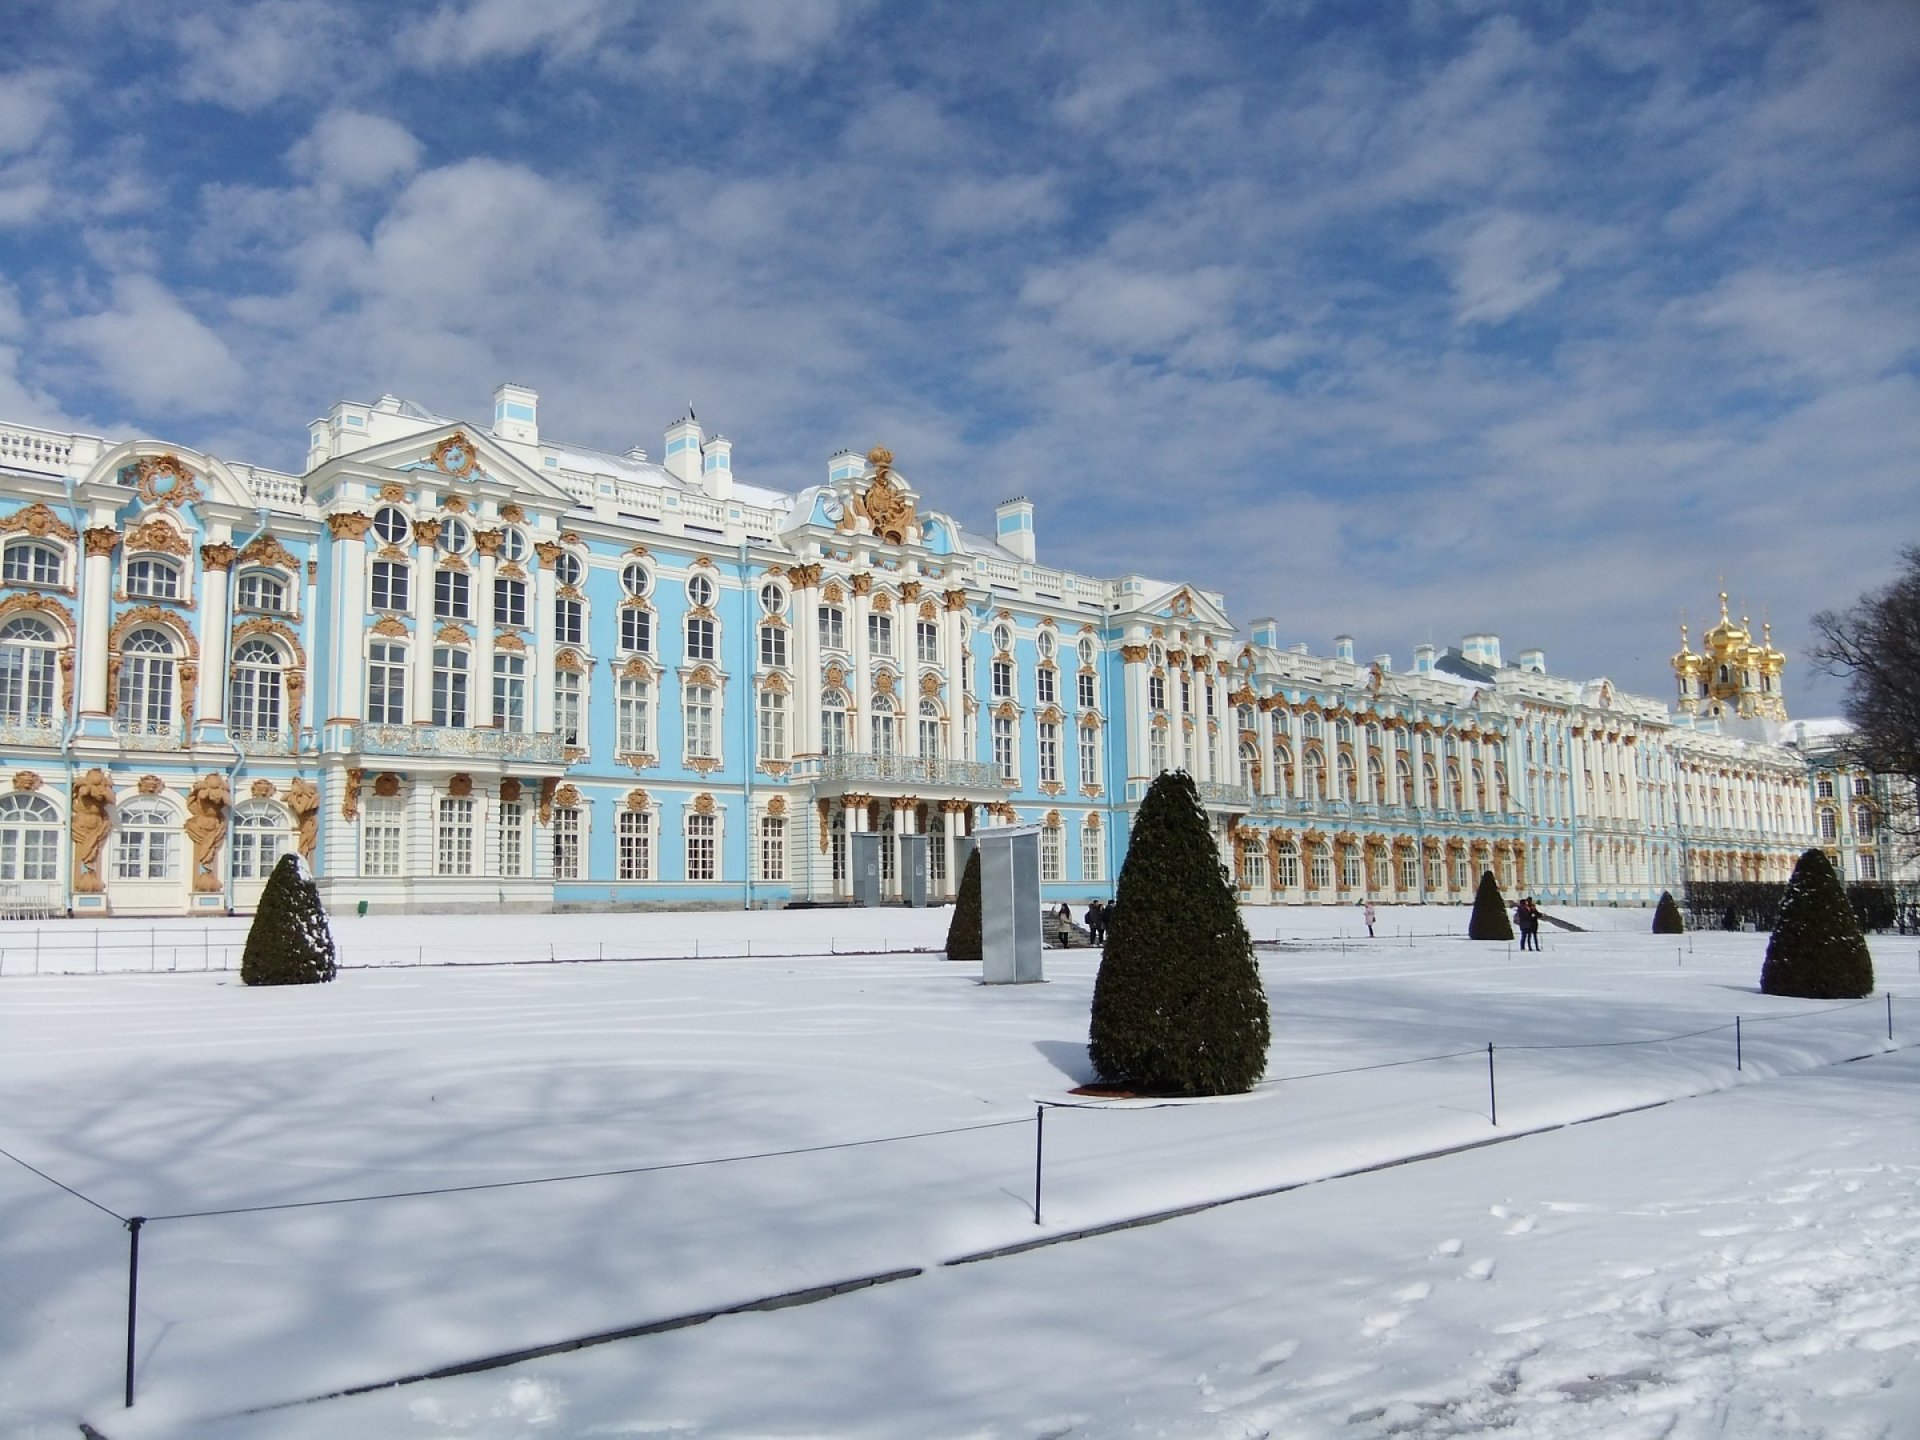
column 1480, row 1270
column 1521, row 1226
column 1448, row 1248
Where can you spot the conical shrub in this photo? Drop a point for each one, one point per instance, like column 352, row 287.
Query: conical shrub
column 290, row 942
column 963, row 930
column 1489, row 920
column 1666, row 916
column 1178, row 1007
column 1817, row 951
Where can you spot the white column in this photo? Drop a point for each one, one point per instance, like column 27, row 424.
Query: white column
column 540, row 653
column 349, row 615
column 216, row 585
column 420, row 702
column 481, row 707
column 861, row 688
column 97, row 621
column 1138, row 717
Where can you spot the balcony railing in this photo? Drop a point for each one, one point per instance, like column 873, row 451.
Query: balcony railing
column 910, row 770
column 438, row 740
column 1222, row 796
column 29, row 730
column 262, row 742
column 147, row 734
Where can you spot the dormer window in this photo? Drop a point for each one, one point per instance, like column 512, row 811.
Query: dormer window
column 152, row 578
column 32, row 562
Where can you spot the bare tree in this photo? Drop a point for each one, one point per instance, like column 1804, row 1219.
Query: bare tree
column 1875, row 646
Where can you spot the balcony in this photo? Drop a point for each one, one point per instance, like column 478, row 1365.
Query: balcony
column 445, row 742
column 865, row 767
column 262, row 742
column 1224, row 797
column 147, row 734
column 29, row 730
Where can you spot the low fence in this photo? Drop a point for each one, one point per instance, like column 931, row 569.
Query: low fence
column 1497, row 1070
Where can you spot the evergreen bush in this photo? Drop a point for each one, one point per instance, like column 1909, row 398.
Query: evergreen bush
column 1817, row 951
column 1666, row 916
column 1490, row 920
column 1178, row 1006
column 963, row 930
column 289, row 942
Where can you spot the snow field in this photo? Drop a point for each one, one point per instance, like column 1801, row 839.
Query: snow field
column 186, row 1093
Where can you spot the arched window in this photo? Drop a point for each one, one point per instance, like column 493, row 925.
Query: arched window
column 29, row 838
column 633, row 715
column 1310, row 726
column 1249, row 757
column 567, row 702
column 1432, row 782
column 260, row 590
column 146, row 842
column 145, row 699
column 1316, row 774
column 254, row 707
column 699, row 706
column 1403, row 776
column 510, row 691
column 833, row 723
column 450, row 682
column 260, row 838
column 149, row 577
column 32, row 562
column 1286, row 866
column 773, row 725
column 1321, row 859
column 930, row 746
column 386, row 683
column 1343, row 765
column 885, row 726
column 1456, row 792
column 28, row 662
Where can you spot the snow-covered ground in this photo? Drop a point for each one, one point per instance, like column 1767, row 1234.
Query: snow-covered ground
column 1742, row 1263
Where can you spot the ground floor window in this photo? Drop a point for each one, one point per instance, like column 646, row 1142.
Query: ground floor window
column 937, row 851
column 1253, row 866
column 1092, row 855
column 703, row 861
column 146, row 844
column 1051, row 870
column 380, row 836
column 1459, row 870
column 1409, row 871
column 1350, row 869
column 453, row 847
column 1322, row 873
column 513, row 838
column 259, row 840
column 773, row 848
column 1286, row 866
column 29, row 838
column 635, row 840
column 837, row 847
column 566, row 843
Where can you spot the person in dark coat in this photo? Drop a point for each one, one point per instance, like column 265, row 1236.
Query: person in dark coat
column 1096, row 918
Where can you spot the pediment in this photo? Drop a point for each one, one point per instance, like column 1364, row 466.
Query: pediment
column 170, row 476
column 454, row 457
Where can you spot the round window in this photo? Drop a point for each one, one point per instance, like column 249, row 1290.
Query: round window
column 1003, row 639
column 456, row 536
column 513, row 544
column 390, row 525
column 1045, row 644
column 567, row 568
column 700, row 591
column 1086, row 650
column 635, row 579
column 773, row 600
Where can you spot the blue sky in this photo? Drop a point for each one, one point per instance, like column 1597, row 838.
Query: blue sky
column 1401, row 320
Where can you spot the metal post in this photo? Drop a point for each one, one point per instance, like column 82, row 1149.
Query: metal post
column 1889, row 1014
column 1493, row 1099
column 1737, row 1057
column 133, row 1293
column 1039, row 1144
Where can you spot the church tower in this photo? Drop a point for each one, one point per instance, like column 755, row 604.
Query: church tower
column 1731, row 676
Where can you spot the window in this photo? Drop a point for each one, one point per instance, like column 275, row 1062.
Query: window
column 390, row 525
column 1322, row 868
column 387, row 589
column 636, row 845
column 1046, row 644
column 1088, row 697
column 145, row 698
column 700, row 637
column 702, row 853
column 254, row 697
column 773, row 726
column 700, row 732
column 1089, row 758
column 1003, row 639
column 1156, row 692
column 1350, row 871
column 833, row 627
column 1869, row 868
column 1863, row 821
column 699, row 591
column 931, row 747
column 1092, row 857
column 636, row 630
column 513, row 544
column 149, row 578
column 1002, row 679
column 773, row 848
column 633, row 715
column 880, row 635
column 1052, row 869
column 456, row 536
column 449, row 688
column 566, row 842
column 452, row 595
column 1829, row 825
column 29, row 838
column 1862, row 785
column 926, row 642
column 773, row 600
column 1823, row 787
column 885, row 726
column 636, row 579
column 1156, row 749
column 1046, row 686
column 1049, row 751
column 259, row 840
column 567, row 569
column 833, row 723
column 259, row 590
column 146, row 843
column 1003, row 746
column 32, row 562
column 1409, row 870
column 510, row 692
column 773, row 645
column 28, row 665
column 453, row 840
column 566, row 706
column 380, row 823
column 1088, row 650
column 513, row 837
column 569, row 622
column 386, row 683
column 510, row 602
column 1286, row 866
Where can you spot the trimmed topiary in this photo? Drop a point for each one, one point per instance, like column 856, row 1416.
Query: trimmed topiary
column 1489, row 920
column 1666, row 916
column 1817, row 951
column 1178, row 1007
column 963, row 931
column 289, row 942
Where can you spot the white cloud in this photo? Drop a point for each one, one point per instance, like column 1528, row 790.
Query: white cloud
column 1131, row 310
column 353, row 150
column 971, row 205
column 1502, row 265
column 248, row 57
column 1830, row 324
column 461, row 35
column 154, row 351
column 29, row 105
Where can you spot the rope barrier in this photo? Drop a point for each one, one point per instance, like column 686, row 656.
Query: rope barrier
column 61, row 1184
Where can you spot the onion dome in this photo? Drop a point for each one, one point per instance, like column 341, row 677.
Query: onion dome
column 1686, row 660
column 1771, row 660
column 1726, row 636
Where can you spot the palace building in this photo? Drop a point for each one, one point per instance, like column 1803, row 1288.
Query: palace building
column 464, row 666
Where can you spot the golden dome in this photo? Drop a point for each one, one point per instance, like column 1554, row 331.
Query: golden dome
column 1686, row 660
column 1725, row 636
column 1771, row 660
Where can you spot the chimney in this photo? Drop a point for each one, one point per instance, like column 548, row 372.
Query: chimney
column 637, row 454
column 682, row 455
column 1482, row 650
column 1423, row 659
column 1266, row 632
column 1013, row 526
column 716, row 468
column 1385, row 662
column 1343, row 647
column 516, row 414
column 844, row 465
column 1534, row 660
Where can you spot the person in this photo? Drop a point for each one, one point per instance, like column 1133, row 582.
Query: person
column 1529, row 924
column 1366, row 913
column 1094, row 918
column 1063, row 922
